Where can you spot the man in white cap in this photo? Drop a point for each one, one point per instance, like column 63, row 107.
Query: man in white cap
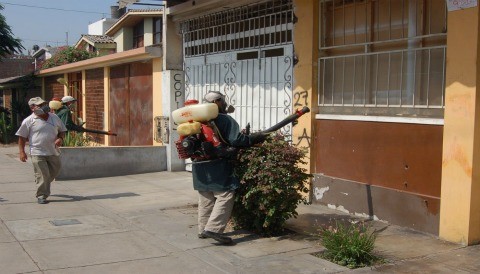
column 214, row 179
column 65, row 114
column 44, row 132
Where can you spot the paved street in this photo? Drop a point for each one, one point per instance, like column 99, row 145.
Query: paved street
column 146, row 223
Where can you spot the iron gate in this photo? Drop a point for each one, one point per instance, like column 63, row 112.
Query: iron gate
column 247, row 54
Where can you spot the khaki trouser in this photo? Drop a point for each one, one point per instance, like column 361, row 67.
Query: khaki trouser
column 46, row 168
column 214, row 210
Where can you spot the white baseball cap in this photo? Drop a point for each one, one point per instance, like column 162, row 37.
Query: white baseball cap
column 212, row 96
column 36, row 101
column 68, row 98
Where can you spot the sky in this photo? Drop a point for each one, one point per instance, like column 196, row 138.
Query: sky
column 51, row 22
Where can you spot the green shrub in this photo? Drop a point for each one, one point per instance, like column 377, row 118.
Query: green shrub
column 20, row 110
column 272, row 185
column 7, row 129
column 75, row 139
column 67, row 55
column 349, row 245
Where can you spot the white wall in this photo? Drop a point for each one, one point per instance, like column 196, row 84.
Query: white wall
column 147, row 32
column 101, row 26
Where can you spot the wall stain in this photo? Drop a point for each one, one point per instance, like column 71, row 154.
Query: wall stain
column 456, row 153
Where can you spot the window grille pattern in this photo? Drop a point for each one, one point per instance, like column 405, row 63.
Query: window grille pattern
column 383, row 57
column 246, row 27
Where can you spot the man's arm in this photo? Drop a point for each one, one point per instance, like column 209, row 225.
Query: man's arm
column 66, row 116
column 21, row 147
column 60, row 137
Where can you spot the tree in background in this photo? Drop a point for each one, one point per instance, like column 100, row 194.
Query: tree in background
column 67, row 55
column 8, row 44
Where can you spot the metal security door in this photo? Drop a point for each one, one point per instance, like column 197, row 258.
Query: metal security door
column 247, row 54
column 260, row 88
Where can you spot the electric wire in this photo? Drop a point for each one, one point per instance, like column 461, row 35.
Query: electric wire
column 50, row 8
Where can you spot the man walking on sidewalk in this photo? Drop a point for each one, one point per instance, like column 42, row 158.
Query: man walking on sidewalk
column 44, row 132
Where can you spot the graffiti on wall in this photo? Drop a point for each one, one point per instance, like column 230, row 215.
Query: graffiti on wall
column 178, row 93
column 301, row 100
column 178, row 89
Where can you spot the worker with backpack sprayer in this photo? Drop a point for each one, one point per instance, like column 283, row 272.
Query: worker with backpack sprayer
column 64, row 113
column 212, row 145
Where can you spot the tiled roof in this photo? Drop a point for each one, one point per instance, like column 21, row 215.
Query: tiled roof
column 132, row 14
column 132, row 11
column 12, row 79
column 144, row 10
column 98, row 38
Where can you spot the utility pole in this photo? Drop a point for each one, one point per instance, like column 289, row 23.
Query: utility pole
column 66, row 33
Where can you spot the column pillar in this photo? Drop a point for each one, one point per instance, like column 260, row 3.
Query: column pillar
column 304, row 72
column 106, row 103
column 460, row 190
column 173, row 87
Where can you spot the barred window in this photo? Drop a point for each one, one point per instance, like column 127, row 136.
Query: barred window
column 246, row 27
column 382, row 57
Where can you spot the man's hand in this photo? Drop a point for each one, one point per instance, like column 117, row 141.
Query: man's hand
column 21, row 148
column 23, row 156
column 257, row 137
column 58, row 142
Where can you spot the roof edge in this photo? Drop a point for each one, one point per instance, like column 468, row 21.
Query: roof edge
column 139, row 54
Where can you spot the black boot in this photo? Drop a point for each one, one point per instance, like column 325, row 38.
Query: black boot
column 217, row 237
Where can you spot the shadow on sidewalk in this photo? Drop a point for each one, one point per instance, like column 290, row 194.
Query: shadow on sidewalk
column 73, row 198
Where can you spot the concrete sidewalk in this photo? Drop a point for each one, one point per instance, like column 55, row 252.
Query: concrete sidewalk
column 147, row 224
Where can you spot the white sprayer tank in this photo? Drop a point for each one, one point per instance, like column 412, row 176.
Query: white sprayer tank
column 192, row 111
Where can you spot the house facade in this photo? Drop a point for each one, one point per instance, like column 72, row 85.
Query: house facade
column 115, row 90
column 42, row 54
column 391, row 134
column 17, row 82
column 392, row 130
column 97, row 44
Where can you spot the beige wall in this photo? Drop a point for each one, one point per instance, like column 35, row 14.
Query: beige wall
column 304, row 91
column 84, row 110
column 460, row 203
column 124, row 38
column 106, row 101
column 118, row 38
column 148, row 32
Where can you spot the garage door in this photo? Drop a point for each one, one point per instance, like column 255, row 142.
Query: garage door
column 247, row 54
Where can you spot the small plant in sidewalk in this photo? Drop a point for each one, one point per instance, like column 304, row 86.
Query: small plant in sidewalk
column 272, row 185
column 350, row 244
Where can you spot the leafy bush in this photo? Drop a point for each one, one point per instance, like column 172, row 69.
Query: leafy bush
column 6, row 126
column 272, row 185
column 8, row 119
column 67, row 55
column 349, row 245
column 20, row 109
